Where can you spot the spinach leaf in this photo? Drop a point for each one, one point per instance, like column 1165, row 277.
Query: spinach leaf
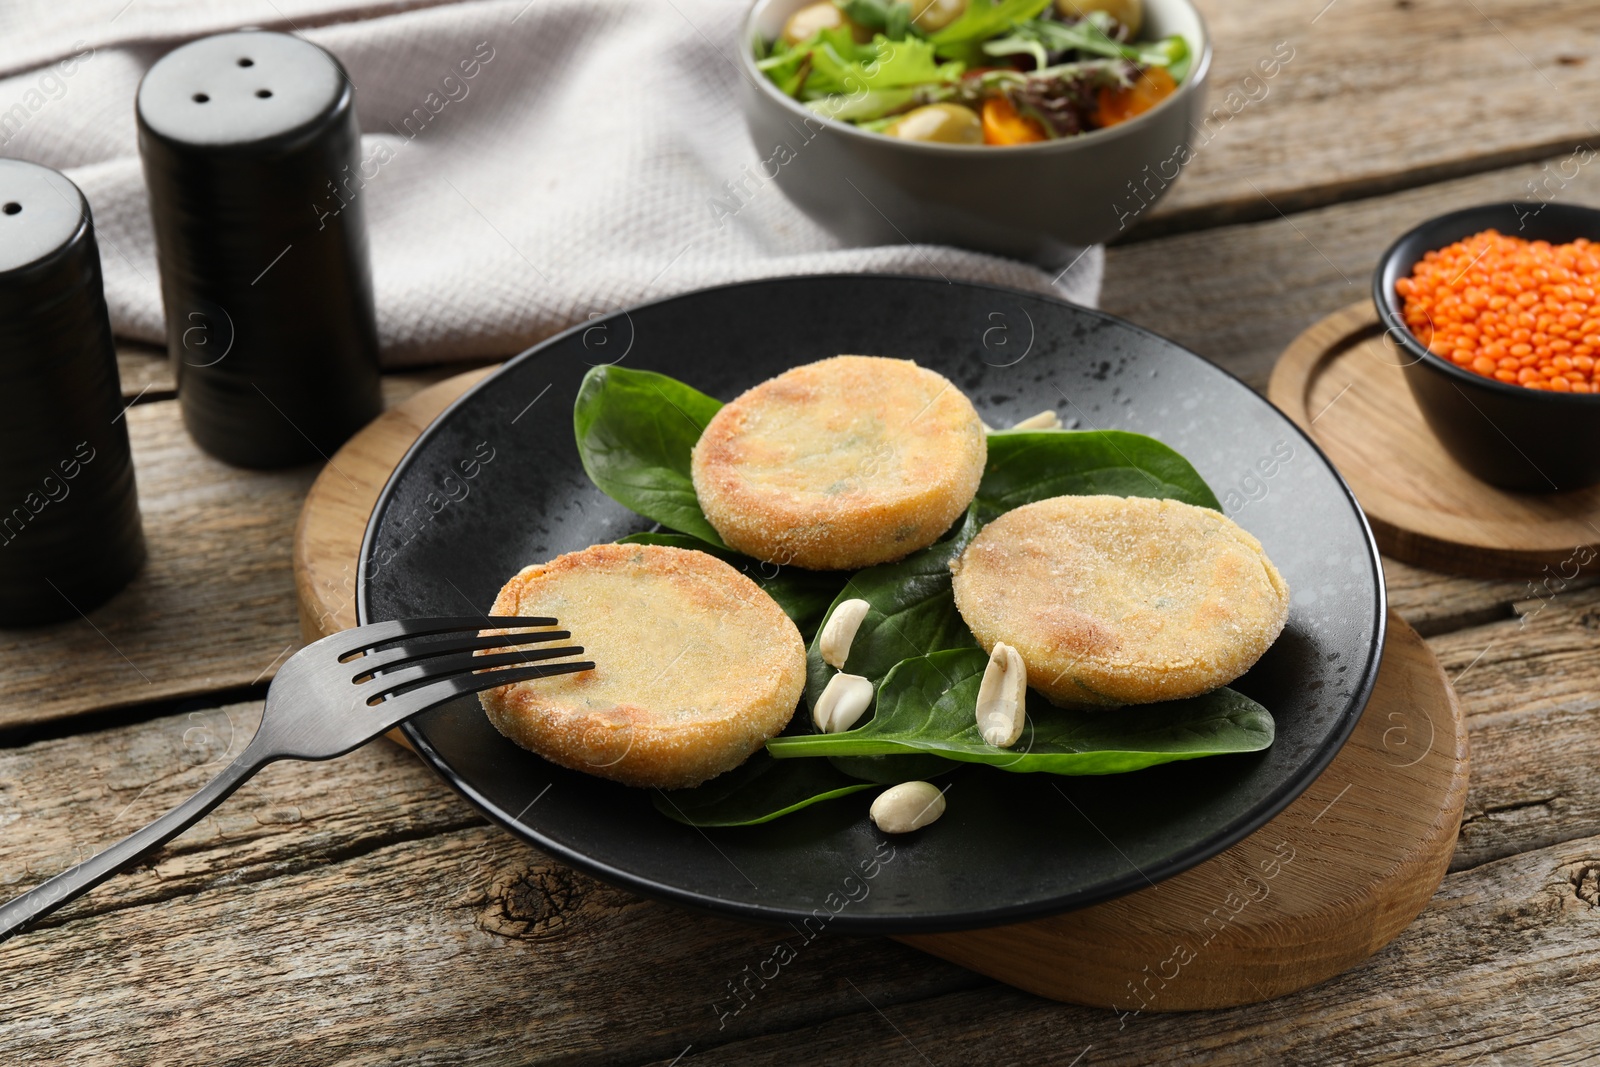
column 758, row 790
column 926, row 705
column 635, row 430
column 804, row 596
column 1026, row 466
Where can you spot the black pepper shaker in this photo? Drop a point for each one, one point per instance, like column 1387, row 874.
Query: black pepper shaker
column 69, row 513
column 268, row 293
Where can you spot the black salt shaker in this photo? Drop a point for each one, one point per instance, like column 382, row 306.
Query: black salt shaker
column 247, row 139
column 69, row 514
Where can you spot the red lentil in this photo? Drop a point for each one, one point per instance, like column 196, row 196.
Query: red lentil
column 1521, row 312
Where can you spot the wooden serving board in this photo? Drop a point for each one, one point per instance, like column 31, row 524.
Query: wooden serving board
column 1329, row 881
column 1342, row 382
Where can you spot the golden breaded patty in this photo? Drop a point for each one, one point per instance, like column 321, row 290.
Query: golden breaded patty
column 1121, row 600
column 840, row 464
column 695, row 665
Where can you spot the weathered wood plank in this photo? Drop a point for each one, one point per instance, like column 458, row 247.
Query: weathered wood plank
column 289, row 897
column 1492, row 972
column 63, row 799
column 467, row 948
column 1531, row 690
column 1379, row 95
column 1239, row 294
column 1436, row 603
column 333, row 874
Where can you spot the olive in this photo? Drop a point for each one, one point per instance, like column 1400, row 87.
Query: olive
column 945, row 123
column 933, row 15
column 1128, row 12
column 805, row 23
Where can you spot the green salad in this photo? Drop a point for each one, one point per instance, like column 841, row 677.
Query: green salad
column 996, row 72
column 635, row 430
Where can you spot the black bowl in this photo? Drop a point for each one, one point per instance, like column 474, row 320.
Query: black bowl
column 1507, row 435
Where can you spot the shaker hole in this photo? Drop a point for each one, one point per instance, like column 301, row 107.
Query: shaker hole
column 263, row 93
column 12, row 208
column 246, row 61
column 201, row 98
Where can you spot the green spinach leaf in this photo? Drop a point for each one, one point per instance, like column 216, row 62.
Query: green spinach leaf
column 758, row 790
column 926, row 705
column 804, row 596
column 635, row 430
column 1026, row 466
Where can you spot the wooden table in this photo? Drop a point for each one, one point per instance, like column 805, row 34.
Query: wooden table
column 359, row 912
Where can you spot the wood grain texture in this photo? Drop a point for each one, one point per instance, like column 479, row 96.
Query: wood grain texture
column 1239, row 294
column 1435, row 603
column 62, row 799
column 1341, row 381
column 1531, row 687
column 346, row 910
column 1492, row 973
column 332, row 801
column 1379, row 95
column 377, row 903
column 1286, row 941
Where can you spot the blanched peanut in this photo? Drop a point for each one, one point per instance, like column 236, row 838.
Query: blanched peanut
column 1002, row 697
column 840, row 632
column 843, row 701
column 907, row 806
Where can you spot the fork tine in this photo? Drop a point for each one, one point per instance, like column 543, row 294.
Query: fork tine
column 375, row 635
column 395, row 682
column 404, row 655
column 481, row 680
column 403, row 706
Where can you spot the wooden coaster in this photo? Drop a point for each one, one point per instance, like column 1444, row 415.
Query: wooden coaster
column 1341, row 381
column 1317, row 890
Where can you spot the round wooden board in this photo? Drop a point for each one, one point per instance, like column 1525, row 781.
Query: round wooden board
column 1342, row 382
column 1328, row 882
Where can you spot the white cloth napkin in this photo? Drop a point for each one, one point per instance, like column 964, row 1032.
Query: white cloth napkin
column 574, row 173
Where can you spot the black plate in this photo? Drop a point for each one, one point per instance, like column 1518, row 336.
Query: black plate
column 1010, row 847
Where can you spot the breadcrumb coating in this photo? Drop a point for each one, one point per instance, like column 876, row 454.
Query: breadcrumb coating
column 840, row 464
column 1113, row 600
column 695, row 665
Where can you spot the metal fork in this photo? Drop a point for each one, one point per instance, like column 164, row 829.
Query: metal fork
column 332, row 696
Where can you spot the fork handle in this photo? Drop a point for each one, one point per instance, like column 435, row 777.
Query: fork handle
column 75, row 881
